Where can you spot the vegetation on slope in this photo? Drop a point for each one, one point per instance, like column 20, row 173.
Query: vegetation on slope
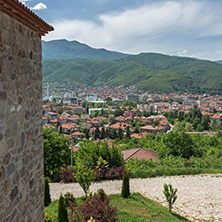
column 152, row 72
column 134, row 208
column 73, row 49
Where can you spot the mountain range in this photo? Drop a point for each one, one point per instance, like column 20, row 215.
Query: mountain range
column 65, row 61
column 63, row 49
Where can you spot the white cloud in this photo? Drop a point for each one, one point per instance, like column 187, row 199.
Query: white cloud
column 24, row 1
column 124, row 30
column 182, row 53
column 39, row 6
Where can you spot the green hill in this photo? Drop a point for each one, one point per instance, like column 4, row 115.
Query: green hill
column 151, row 72
column 63, row 49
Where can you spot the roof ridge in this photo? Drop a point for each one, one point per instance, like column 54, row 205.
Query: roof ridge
column 26, row 16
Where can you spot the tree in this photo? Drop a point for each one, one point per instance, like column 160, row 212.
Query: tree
column 85, row 176
column 189, row 127
column 96, row 133
column 47, row 197
column 113, row 134
column 199, row 128
column 118, row 112
column 179, row 126
column 205, row 122
column 181, row 116
column 136, row 130
column 89, row 153
column 156, row 122
column 128, row 132
column 62, row 211
column 102, row 133
column 125, row 186
column 60, row 129
column 196, row 121
column 86, row 131
column 120, row 133
column 170, row 195
column 111, row 119
column 56, row 152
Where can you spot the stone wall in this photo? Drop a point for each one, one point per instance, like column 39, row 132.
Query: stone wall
column 21, row 147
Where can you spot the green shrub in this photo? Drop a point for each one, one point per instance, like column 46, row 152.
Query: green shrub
column 85, row 176
column 48, row 217
column 99, row 209
column 69, row 197
column 125, row 186
column 47, row 197
column 62, row 211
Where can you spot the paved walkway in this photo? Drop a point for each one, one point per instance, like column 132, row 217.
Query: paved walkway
column 199, row 197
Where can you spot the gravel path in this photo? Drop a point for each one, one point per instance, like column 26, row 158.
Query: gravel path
column 199, row 197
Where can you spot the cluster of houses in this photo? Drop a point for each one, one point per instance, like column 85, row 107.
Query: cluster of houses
column 68, row 122
column 72, row 121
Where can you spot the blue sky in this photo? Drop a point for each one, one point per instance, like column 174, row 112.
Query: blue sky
column 191, row 28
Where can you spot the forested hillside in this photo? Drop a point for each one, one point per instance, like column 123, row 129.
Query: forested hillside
column 151, row 72
column 63, row 49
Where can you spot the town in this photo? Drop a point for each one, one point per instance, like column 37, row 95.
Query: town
column 75, row 108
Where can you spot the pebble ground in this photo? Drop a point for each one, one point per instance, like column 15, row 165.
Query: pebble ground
column 199, row 196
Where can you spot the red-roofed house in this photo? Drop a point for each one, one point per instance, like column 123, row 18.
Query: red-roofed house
column 123, row 126
column 149, row 129
column 218, row 118
column 140, row 154
column 67, row 128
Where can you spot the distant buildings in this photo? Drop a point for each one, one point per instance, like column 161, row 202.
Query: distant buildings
column 92, row 110
column 132, row 97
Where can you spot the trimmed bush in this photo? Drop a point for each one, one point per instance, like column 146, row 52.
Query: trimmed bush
column 125, row 186
column 47, row 197
column 62, row 211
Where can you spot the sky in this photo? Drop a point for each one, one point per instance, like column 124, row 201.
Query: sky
column 189, row 28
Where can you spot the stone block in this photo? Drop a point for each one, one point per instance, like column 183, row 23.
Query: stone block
column 14, row 193
column 7, row 186
column 2, row 173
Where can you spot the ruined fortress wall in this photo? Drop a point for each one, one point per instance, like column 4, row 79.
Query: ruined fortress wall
column 21, row 147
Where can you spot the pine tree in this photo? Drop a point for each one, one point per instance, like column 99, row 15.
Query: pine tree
column 102, row 133
column 62, row 211
column 120, row 133
column 47, row 198
column 125, row 186
column 114, row 134
column 128, row 132
column 96, row 133
column 60, row 129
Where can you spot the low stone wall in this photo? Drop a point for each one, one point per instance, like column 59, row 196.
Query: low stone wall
column 21, row 147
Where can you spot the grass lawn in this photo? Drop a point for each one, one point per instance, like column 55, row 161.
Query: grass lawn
column 137, row 208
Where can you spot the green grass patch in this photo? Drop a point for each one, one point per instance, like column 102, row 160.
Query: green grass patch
column 135, row 208
column 139, row 208
column 52, row 209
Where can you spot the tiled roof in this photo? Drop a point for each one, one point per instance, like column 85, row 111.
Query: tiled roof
column 140, row 154
column 21, row 13
column 67, row 126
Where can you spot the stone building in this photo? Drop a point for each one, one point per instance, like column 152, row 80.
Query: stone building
column 21, row 142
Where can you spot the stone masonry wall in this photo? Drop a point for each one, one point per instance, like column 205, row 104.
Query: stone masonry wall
column 21, row 147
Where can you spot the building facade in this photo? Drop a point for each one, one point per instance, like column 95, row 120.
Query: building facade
column 21, row 141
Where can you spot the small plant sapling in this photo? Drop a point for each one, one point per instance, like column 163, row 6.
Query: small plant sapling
column 170, row 194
